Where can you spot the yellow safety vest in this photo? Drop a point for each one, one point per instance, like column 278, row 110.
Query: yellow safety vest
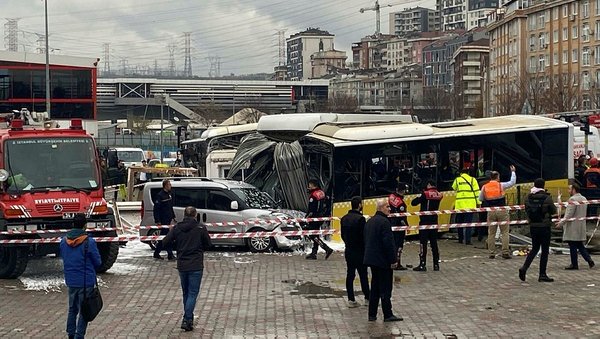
column 467, row 191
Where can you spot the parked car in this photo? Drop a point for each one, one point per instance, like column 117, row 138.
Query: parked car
column 221, row 200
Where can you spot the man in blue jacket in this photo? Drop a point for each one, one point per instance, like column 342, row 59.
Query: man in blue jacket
column 380, row 255
column 80, row 259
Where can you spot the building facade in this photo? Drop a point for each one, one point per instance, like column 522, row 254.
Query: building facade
column 545, row 57
column 301, row 46
column 464, row 14
column 324, row 62
column 468, row 64
column 417, row 19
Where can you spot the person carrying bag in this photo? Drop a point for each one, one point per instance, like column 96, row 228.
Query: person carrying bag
column 84, row 303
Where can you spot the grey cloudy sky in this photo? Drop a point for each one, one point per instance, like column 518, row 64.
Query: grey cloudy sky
column 243, row 33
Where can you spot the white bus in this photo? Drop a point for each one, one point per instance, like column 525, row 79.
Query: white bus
column 369, row 159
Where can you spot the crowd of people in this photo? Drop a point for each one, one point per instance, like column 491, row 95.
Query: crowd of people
column 370, row 245
column 380, row 248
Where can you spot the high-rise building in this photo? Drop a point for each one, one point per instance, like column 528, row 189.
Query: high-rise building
column 301, row 46
column 467, row 66
column 464, row 14
column 417, row 19
column 544, row 57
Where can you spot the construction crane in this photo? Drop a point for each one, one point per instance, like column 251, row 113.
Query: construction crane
column 377, row 9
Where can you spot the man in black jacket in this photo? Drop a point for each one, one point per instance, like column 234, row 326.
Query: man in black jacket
column 164, row 215
column 429, row 201
column 353, row 235
column 540, row 210
column 191, row 240
column 380, row 255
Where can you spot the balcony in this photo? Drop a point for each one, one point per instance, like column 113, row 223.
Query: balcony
column 471, row 63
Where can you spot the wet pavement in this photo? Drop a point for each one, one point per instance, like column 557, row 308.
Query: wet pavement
column 282, row 295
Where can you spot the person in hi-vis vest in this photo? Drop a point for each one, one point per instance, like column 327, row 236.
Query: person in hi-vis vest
column 467, row 193
column 492, row 194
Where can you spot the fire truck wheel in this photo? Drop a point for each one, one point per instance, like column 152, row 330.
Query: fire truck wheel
column 108, row 253
column 13, row 261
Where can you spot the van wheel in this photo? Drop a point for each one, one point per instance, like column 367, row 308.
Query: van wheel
column 153, row 243
column 13, row 261
column 260, row 245
column 109, row 251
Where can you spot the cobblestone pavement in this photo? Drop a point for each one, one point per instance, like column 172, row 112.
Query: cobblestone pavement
column 282, row 295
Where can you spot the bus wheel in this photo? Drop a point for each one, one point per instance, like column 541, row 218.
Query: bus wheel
column 260, row 245
column 108, row 253
column 13, row 261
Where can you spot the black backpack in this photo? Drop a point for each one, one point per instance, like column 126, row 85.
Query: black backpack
column 535, row 208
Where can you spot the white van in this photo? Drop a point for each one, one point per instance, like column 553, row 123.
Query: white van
column 579, row 142
column 131, row 156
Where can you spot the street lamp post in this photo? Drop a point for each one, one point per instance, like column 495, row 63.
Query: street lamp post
column 47, row 61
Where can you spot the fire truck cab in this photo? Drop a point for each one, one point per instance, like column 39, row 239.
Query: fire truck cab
column 47, row 175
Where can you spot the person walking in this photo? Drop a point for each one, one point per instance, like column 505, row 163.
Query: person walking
column 191, row 240
column 398, row 205
column 492, row 195
column 380, row 256
column 164, row 215
column 316, row 209
column 467, row 192
column 80, row 260
column 574, row 231
column 540, row 209
column 353, row 235
column 429, row 201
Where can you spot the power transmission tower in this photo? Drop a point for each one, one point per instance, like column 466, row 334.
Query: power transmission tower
column 281, row 34
column 215, row 66
column 41, row 41
column 124, row 66
column 187, row 69
column 11, row 34
column 171, row 59
column 106, row 58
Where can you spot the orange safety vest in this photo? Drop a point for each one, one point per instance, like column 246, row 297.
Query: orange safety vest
column 493, row 190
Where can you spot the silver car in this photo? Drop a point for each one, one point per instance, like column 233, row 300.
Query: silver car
column 220, row 201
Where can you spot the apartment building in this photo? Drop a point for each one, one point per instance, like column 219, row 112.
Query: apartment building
column 301, row 46
column 464, row 14
column 467, row 65
column 324, row 62
column 544, row 57
column 417, row 19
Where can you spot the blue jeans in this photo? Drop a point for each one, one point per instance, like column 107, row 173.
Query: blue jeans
column 76, row 325
column 190, row 285
column 464, row 232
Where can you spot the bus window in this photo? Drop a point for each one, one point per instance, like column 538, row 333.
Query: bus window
column 426, row 169
column 348, row 179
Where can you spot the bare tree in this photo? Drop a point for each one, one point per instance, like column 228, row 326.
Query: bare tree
column 210, row 112
column 139, row 124
column 339, row 103
column 560, row 95
column 438, row 104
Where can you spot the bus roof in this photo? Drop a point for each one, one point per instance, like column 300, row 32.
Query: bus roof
column 351, row 134
column 218, row 131
column 293, row 126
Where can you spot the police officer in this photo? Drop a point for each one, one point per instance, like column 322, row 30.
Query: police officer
column 164, row 215
column 398, row 205
column 429, row 201
column 316, row 209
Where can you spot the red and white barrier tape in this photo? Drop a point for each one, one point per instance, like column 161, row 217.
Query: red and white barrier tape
column 486, row 209
column 56, row 231
column 478, row 224
column 160, row 237
column 250, row 222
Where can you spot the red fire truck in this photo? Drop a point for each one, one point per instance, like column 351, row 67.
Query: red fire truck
column 47, row 175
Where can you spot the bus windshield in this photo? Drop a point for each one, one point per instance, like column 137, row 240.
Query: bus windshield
column 51, row 163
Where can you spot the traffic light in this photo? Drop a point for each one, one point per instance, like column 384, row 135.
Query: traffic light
column 585, row 127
